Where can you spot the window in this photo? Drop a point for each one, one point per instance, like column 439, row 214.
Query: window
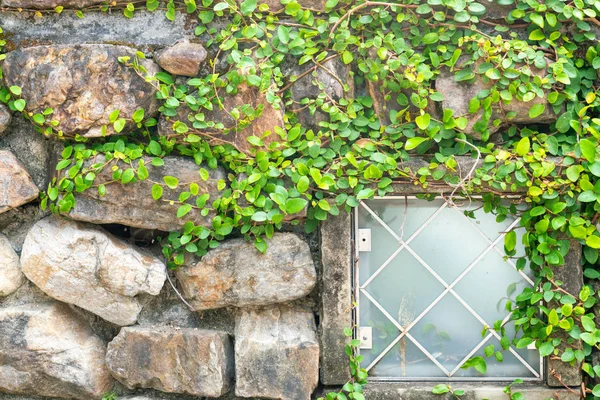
column 428, row 279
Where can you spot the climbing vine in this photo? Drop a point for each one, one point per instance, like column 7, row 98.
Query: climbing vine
column 335, row 149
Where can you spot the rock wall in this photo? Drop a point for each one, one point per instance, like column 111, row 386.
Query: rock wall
column 86, row 307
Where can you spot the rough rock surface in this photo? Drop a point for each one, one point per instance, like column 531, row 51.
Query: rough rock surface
column 275, row 5
column 183, row 58
column 82, row 265
column 236, row 274
column 83, row 84
column 329, row 80
column 47, row 350
column 133, row 205
column 192, row 361
column 37, row 153
column 236, row 132
column 50, row 4
column 11, row 277
column 5, row 117
column 15, row 224
column 276, row 353
column 457, row 96
column 16, row 186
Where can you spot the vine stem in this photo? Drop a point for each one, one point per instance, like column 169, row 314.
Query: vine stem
column 471, row 171
column 363, row 5
column 177, row 291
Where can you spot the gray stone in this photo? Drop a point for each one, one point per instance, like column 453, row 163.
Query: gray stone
column 235, row 132
column 80, row 264
column 570, row 273
column 329, row 78
column 336, row 297
column 37, row 153
column 49, row 4
column 83, row 84
column 15, row 224
column 16, row 186
column 11, row 277
column 5, row 117
column 457, row 96
column 275, row 5
column 496, row 11
column 47, row 350
column 132, row 204
column 236, row 274
column 276, row 353
column 184, row 58
column 144, row 30
column 192, row 361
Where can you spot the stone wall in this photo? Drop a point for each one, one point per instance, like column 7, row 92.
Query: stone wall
column 87, row 306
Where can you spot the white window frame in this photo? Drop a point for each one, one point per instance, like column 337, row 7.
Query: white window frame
column 405, row 244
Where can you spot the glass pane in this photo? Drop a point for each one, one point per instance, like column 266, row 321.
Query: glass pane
column 406, row 360
column 448, row 331
column 404, row 288
column 449, row 244
column 383, row 330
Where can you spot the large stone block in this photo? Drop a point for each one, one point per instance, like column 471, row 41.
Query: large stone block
column 276, row 353
column 80, row 264
column 193, row 361
column 83, row 84
column 457, row 96
column 236, row 274
column 234, row 132
column 184, row 58
column 11, row 277
column 336, row 296
column 132, row 204
column 47, row 350
column 5, row 117
column 16, row 186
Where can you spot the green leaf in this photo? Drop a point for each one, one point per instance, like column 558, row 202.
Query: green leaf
column 414, row 142
column 593, row 241
column 538, row 34
column 248, row 6
column 15, row 90
column 596, row 391
column 440, row 389
column 522, row 148
column 171, row 181
column 423, row 121
column 157, row 191
column 295, row 205
column 588, row 149
column 20, row 104
column 546, row 349
column 183, row 210
column 510, row 240
column 303, row 184
column 587, row 196
column 588, row 324
column 553, row 317
column 119, row 125
column 536, row 110
column 138, row 115
column 127, row 175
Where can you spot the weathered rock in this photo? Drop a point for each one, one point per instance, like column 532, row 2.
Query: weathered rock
column 330, row 79
column 37, row 153
column 183, row 58
column 192, row 361
column 236, row 274
column 46, row 350
column 11, row 277
column 276, row 353
column 275, row 5
column 235, row 132
column 457, row 96
column 132, row 204
column 5, row 117
column 83, row 84
column 496, row 11
column 16, row 186
column 80, row 264
column 15, row 224
column 49, row 4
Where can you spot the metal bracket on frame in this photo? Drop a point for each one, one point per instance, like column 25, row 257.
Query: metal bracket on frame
column 364, row 240
column 366, row 337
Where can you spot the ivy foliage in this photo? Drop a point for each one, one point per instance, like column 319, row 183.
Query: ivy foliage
column 541, row 58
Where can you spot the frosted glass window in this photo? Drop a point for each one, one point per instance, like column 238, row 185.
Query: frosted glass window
column 432, row 280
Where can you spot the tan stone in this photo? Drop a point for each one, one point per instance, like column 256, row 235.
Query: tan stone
column 276, row 353
column 47, row 350
column 11, row 277
column 234, row 134
column 132, row 204
column 193, row 361
column 83, row 84
column 184, row 58
column 16, row 186
column 80, row 264
column 5, row 117
column 236, row 274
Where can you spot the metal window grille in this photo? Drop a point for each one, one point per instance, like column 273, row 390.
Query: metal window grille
column 428, row 281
